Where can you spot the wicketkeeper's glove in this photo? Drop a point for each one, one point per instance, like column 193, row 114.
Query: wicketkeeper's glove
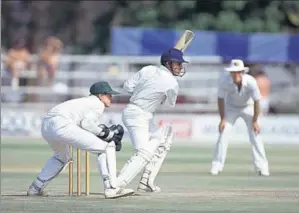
column 106, row 134
column 118, row 136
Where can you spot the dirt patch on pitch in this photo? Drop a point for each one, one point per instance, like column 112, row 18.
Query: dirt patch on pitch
column 289, row 195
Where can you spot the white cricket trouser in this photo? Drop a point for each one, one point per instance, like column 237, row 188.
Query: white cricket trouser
column 258, row 151
column 145, row 138
column 60, row 134
column 141, row 126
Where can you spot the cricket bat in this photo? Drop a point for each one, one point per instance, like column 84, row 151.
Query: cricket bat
column 184, row 40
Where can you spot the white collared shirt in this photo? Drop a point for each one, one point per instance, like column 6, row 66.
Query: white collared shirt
column 84, row 112
column 151, row 87
column 248, row 93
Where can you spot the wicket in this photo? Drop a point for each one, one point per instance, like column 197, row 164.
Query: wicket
column 71, row 171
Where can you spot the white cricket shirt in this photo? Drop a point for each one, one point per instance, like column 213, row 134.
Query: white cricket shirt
column 151, row 87
column 84, row 112
column 238, row 99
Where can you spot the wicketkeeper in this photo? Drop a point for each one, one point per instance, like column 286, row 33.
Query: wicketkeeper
column 76, row 123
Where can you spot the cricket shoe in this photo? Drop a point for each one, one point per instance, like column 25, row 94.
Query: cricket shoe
column 215, row 171
column 145, row 187
column 35, row 191
column 112, row 193
column 264, row 173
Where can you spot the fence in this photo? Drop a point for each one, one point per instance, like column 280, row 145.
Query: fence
column 188, row 128
column 76, row 73
column 198, row 87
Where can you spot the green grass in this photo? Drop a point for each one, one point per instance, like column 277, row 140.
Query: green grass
column 186, row 184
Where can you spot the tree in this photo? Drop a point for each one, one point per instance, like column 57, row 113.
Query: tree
column 86, row 24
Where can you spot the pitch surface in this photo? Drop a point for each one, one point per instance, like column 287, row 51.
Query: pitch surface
column 187, row 186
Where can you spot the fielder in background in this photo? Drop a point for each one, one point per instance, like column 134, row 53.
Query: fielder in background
column 239, row 97
column 151, row 87
column 76, row 123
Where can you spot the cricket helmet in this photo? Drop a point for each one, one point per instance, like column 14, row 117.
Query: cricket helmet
column 173, row 55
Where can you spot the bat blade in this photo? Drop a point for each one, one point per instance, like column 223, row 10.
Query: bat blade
column 184, row 40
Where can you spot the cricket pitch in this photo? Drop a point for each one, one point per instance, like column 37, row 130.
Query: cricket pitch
column 186, row 185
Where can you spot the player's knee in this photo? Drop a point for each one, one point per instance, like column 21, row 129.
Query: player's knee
column 63, row 158
column 165, row 140
column 145, row 154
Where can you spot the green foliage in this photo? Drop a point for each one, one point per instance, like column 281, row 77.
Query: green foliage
column 223, row 15
column 185, row 4
column 148, row 17
column 254, row 24
column 168, row 10
column 234, row 5
column 272, row 12
column 182, row 25
column 228, row 19
column 272, row 26
column 204, row 21
column 101, row 40
column 292, row 3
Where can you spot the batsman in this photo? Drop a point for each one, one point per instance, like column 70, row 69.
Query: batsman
column 76, row 123
column 239, row 97
column 150, row 88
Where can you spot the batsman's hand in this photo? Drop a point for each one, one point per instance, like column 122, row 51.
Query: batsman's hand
column 221, row 126
column 256, row 127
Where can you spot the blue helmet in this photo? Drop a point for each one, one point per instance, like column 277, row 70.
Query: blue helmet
column 173, row 55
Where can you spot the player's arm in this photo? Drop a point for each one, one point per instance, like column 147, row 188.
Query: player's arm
column 90, row 122
column 100, row 130
column 220, row 101
column 256, row 96
column 221, row 108
column 221, row 105
column 172, row 95
column 132, row 82
column 256, row 111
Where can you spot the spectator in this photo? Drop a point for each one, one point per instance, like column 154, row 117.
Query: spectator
column 16, row 62
column 113, row 68
column 47, row 62
column 264, row 85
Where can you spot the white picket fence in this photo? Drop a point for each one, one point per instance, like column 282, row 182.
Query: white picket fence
column 199, row 82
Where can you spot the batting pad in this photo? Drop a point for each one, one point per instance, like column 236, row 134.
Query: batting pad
column 107, row 166
column 153, row 167
column 137, row 162
column 111, row 163
column 102, row 166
